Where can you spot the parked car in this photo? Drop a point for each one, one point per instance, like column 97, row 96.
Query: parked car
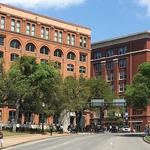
column 125, row 129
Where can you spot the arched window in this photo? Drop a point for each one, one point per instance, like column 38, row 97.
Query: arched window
column 44, row 50
column 15, row 44
column 14, row 57
column 70, row 67
column 58, row 53
column 71, row 56
column 30, row 47
column 82, row 69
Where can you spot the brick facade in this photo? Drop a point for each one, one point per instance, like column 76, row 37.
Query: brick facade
column 125, row 54
column 66, row 43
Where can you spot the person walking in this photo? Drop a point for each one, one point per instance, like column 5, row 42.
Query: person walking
column 1, row 138
column 51, row 129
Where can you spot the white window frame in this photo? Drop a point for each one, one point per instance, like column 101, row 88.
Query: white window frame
column 2, row 22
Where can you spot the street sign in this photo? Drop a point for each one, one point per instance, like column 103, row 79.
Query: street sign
column 119, row 102
column 97, row 102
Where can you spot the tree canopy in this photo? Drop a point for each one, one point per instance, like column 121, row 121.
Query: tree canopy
column 138, row 94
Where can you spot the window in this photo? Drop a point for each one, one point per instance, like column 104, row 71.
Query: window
column 97, row 67
column 109, row 53
column 58, row 36
column 44, row 61
column 82, row 69
column 58, row 53
column 12, row 25
column 109, row 76
column 70, row 67
column 122, row 75
column 47, row 33
column 33, row 30
column 121, row 87
column 2, row 22
column 57, row 65
column 83, row 42
column 30, row 47
column 71, row 39
column 83, row 57
column 44, row 50
column 1, row 40
column 12, row 115
column 28, row 29
column 42, row 32
column 18, row 26
column 15, row 44
column 109, row 65
column 122, row 63
column 97, row 55
column 14, row 57
column 122, row 50
column 71, row 56
column 1, row 54
column 15, row 25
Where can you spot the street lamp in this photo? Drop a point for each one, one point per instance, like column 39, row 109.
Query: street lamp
column 43, row 105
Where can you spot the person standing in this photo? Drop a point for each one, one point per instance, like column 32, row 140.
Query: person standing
column 51, row 129
column 1, row 138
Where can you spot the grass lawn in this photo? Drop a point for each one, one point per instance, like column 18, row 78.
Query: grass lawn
column 8, row 133
column 148, row 138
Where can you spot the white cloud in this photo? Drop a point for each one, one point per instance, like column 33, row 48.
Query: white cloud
column 146, row 4
column 43, row 3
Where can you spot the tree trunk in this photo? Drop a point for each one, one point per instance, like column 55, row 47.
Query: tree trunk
column 16, row 117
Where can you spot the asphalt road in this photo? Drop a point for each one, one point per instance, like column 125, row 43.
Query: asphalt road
column 88, row 142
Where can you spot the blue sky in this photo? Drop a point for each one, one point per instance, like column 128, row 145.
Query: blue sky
column 106, row 18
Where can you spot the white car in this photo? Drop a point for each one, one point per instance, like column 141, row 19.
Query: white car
column 126, row 129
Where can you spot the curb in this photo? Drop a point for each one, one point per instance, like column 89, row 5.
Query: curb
column 146, row 140
column 34, row 140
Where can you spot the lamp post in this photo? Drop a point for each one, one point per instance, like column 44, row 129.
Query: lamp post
column 43, row 105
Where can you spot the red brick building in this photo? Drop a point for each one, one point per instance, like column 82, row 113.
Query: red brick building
column 27, row 33
column 117, row 61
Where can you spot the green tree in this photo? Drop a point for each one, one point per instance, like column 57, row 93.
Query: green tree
column 138, row 94
column 99, row 89
column 27, row 85
column 76, row 93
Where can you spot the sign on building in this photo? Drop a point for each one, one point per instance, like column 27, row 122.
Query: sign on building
column 97, row 102
column 119, row 102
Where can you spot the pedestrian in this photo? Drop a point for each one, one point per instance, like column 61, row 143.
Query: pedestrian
column 1, row 138
column 146, row 129
column 61, row 129
column 51, row 129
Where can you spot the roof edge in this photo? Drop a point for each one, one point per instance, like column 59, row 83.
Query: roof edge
column 44, row 16
column 120, row 38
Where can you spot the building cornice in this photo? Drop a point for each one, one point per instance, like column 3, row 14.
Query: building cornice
column 121, row 40
column 7, row 9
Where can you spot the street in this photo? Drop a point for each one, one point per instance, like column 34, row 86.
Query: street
column 88, row 142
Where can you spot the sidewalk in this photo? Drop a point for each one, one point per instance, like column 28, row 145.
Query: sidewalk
column 16, row 140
